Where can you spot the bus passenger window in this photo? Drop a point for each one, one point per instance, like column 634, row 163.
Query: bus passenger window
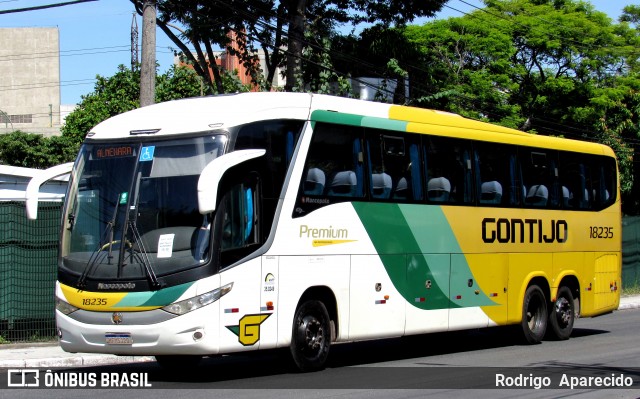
column 540, row 178
column 497, row 179
column 335, row 164
column 394, row 172
column 575, row 180
column 449, row 171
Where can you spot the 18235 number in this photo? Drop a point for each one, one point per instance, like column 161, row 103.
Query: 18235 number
column 94, row 301
column 600, row 232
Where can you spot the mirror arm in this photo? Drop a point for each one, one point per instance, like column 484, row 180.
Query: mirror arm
column 212, row 174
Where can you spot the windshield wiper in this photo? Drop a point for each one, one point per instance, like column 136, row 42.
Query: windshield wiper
column 95, row 255
column 143, row 257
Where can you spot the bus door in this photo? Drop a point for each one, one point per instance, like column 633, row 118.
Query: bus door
column 235, row 237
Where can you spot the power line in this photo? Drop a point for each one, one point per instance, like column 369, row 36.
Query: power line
column 69, row 53
column 36, row 8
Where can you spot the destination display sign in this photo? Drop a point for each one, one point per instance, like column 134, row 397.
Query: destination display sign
column 116, row 151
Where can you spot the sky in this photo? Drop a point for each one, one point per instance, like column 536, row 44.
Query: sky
column 95, row 37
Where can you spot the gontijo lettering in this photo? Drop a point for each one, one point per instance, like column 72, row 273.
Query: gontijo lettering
column 327, row 232
column 528, row 230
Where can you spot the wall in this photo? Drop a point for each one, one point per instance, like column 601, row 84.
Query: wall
column 30, row 80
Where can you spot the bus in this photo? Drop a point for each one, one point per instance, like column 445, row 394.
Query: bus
column 252, row 221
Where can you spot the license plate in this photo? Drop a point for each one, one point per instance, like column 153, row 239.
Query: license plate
column 118, row 338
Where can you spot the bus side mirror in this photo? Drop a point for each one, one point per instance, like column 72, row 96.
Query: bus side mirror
column 211, row 175
column 33, row 188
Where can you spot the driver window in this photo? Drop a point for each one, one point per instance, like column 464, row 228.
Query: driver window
column 237, row 216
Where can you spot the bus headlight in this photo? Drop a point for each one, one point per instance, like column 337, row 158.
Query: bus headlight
column 64, row 307
column 188, row 305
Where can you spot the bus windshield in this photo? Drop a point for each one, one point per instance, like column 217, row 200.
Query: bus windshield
column 132, row 211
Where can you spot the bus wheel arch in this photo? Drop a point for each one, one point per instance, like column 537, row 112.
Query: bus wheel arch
column 535, row 315
column 314, row 327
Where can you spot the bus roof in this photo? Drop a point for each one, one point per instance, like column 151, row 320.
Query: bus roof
column 223, row 111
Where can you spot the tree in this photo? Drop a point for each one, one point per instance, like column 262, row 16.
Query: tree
column 276, row 27
column 550, row 67
column 120, row 93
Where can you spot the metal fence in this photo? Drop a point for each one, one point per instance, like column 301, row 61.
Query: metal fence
column 630, row 252
column 28, row 256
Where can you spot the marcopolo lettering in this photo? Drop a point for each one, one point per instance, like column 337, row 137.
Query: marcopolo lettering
column 505, row 231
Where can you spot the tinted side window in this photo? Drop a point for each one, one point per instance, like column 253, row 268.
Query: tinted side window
column 605, row 182
column 449, row 171
column 540, row 185
column 279, row 138
column 498, row 182
column 575, row 178
column 235, row 223
column 335, row 164
column 588, row 181
column 394, row 171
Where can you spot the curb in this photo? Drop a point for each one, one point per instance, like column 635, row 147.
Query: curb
column 626, row 306
column 75, row 361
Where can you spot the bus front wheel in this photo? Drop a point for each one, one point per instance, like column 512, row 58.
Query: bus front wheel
column 562, row 314
column 311, row 336
column 534, row 315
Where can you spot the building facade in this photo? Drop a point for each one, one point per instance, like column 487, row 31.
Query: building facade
column 30, row 80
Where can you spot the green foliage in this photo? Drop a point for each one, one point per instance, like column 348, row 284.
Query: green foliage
column 36, row 151
column 121, row 92
column 554, row 67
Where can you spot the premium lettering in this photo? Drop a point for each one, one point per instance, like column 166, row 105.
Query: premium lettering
column 524, row 231
column 330, row 232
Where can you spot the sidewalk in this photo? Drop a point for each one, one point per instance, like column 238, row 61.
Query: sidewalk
column 49, row 354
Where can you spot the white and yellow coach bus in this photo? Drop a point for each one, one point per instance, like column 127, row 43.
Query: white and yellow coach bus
column 271, row 220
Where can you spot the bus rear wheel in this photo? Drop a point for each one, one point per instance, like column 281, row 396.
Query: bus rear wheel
column 311, row 336
column 562, row 314
column 534, row 315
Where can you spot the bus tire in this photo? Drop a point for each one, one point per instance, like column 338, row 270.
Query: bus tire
column 178, row 362
column 534, row 315
column 562, row 314
column 311, row 336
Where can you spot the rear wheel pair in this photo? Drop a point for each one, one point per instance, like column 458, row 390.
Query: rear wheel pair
column 536, row 318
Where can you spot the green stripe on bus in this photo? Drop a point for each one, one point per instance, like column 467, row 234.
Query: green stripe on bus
column 424, row 235
column 336, row 117
column 163, row 297
column 358, row 120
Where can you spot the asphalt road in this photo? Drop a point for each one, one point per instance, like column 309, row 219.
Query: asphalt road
column 466, row 364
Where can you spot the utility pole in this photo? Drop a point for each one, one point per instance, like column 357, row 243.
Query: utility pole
column 148, row 65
